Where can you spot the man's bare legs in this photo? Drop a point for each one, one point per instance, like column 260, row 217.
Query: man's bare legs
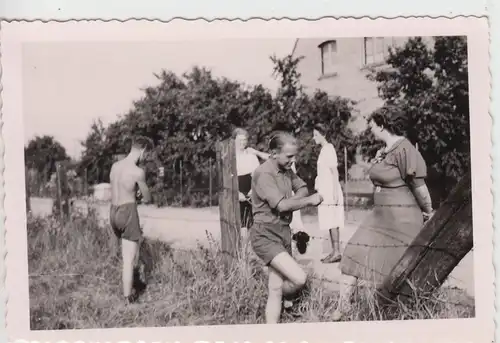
column 130, row 251
column 286, row 277
column 348, row 285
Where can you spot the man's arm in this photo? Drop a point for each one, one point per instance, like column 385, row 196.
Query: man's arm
column 299, row 187
column 143, row 187
column 266, row 188
column 295, row 203
column 301, row 193
column 260, row 154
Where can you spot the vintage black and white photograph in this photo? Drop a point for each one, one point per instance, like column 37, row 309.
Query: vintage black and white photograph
column 253, row 180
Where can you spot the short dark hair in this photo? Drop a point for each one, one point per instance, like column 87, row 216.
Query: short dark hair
column 321, row 128
column 142, row 142
column 391, row 119
column 279, row 139
column 283, row 126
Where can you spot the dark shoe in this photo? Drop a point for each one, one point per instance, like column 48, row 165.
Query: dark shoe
column 332, row 258
column 132, row 298
column 302, row 239
column 137, row 284
column 289, row 308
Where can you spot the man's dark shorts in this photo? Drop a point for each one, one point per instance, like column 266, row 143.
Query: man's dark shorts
column 269, row 240
column 124, row 221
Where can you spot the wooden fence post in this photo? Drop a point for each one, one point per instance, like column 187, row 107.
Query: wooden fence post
column 442, row 243
column 62, row 195
column 27, row 181
column 229, row 206
column 346, row 182
column 210, row 182
column 86, row 182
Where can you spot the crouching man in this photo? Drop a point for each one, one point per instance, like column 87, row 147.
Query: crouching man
column 273, row 203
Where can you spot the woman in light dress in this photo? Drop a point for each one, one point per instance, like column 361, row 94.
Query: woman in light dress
column 331, row 210
column 246, row 163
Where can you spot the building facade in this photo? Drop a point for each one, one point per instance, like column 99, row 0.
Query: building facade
column 339, row 66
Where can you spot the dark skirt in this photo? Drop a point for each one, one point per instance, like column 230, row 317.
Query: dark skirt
column 383, row 237
column 245, row 183
column 246, row 215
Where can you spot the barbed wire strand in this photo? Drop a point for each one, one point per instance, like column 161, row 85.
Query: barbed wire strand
column 400, row 243
column 250, row 260
column 345, row 203
column 322, row 279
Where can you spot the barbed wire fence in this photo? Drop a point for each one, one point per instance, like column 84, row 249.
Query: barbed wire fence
column 256, row 267
column 229, row 220
column 254, row 262
column 178, row 188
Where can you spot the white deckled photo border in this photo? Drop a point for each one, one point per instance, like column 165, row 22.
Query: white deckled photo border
column 14, row 34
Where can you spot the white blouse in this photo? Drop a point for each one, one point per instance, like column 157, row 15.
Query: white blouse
column 246, row 163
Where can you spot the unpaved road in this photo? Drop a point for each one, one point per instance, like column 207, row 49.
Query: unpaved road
column 185, row 228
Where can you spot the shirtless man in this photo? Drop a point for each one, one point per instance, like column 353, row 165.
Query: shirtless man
column 124, row 217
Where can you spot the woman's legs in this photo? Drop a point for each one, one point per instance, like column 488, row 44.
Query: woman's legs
column 335, row 255
column 246, row 215
column 243, row 213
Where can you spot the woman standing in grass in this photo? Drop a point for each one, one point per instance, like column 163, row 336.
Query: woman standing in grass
column 331, row 211
column 401, row 203
column 246, row 163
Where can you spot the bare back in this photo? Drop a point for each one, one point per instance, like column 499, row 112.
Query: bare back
column 124, row 176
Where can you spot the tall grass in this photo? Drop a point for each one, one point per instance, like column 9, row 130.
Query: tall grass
column 75, row 282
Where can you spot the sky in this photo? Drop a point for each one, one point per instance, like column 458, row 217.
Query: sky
column 67, row 85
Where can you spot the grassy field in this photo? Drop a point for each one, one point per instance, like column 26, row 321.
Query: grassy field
column 75, row 283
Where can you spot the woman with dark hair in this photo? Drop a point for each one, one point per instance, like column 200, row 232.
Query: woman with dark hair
column 401, row 204
column 331, row 210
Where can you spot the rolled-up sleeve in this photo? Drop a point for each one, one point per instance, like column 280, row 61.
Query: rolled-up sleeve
column 297, row 182
column 266, row 188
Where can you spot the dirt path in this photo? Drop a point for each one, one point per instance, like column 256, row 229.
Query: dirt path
column 185, row 228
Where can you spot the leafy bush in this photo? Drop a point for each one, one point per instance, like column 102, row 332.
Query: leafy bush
column 429, row 85
column 185, row 117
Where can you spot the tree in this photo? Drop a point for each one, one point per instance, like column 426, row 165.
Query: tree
column 303, row 111
column 429, row 85
column 185, row 117
column 42, row 153
column 95, row 156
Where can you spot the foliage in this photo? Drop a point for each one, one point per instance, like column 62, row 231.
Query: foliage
column 95, row 158
column 429, row 84
column 186, row 116
column 42, row 153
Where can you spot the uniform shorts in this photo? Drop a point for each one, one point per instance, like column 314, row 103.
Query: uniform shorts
column 124, row 221
column 269, row 240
